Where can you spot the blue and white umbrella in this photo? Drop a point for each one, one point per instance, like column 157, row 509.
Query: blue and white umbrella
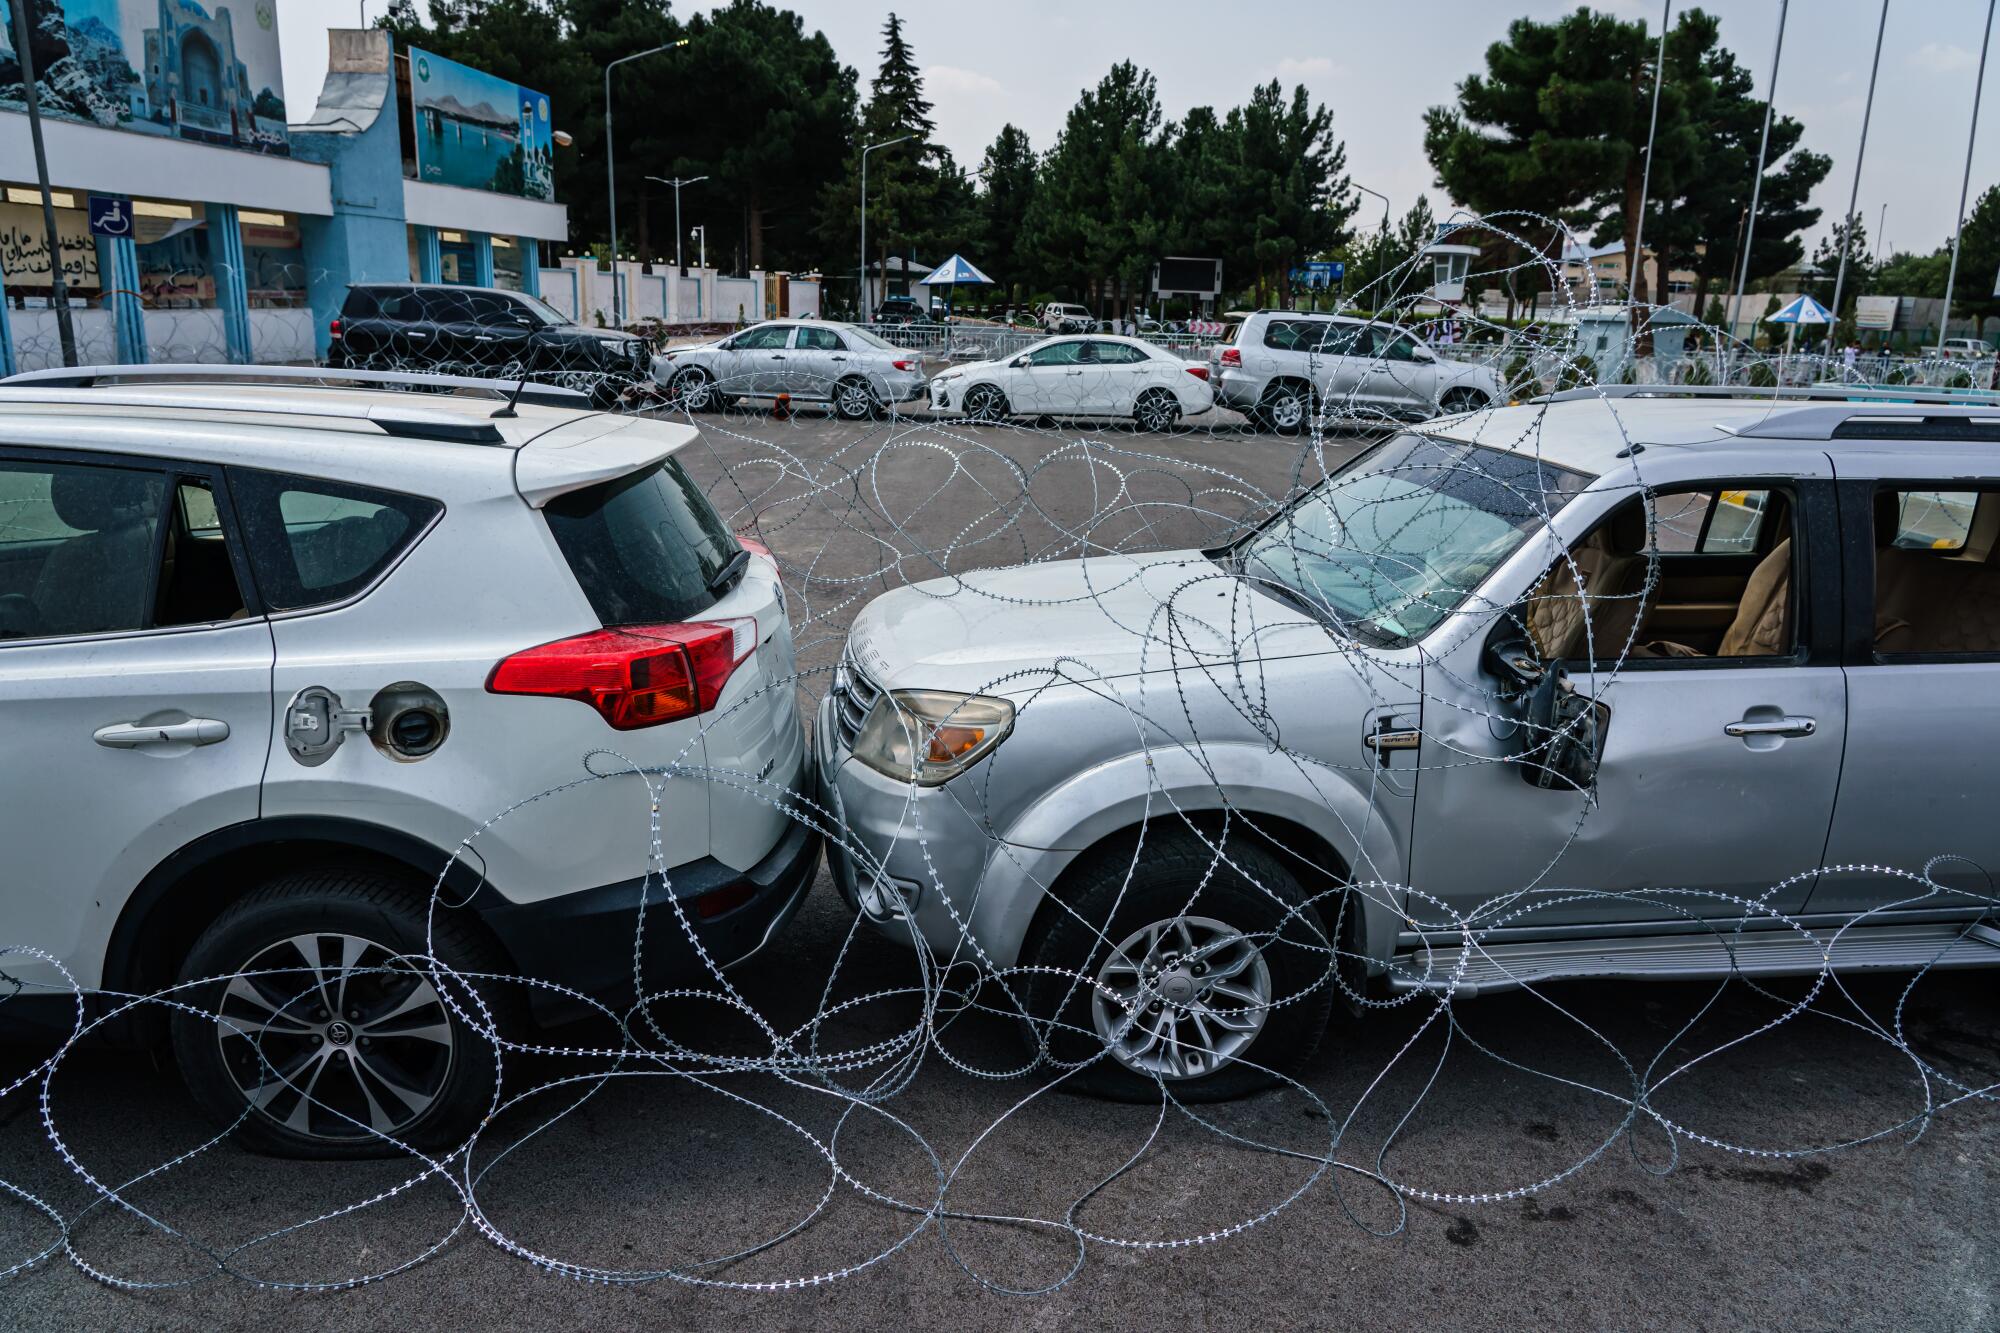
column 954, row 271
column 1801, row 310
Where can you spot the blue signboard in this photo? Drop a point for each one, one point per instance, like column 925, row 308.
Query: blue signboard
column 1319, row 273
column 479, row 131
column 110, row 215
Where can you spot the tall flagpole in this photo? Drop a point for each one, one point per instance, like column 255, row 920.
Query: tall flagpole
column 1757, row 183
column 1854, row 195
column 1965, row 185
column 1635, row 262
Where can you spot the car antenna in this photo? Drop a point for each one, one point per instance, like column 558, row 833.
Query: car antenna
column 507, row 409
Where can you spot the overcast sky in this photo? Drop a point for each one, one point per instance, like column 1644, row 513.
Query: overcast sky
column 1379, row 65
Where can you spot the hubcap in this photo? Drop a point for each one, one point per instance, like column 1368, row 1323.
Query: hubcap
column 854, row 399
column 319, row 1028
column 1190, row 994
column 694, row 392
column 1286, row 411
column 984, row 403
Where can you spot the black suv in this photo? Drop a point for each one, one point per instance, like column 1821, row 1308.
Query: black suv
column 901, row 310
column 483, row 331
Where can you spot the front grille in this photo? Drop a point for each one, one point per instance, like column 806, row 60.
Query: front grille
column 854, row 696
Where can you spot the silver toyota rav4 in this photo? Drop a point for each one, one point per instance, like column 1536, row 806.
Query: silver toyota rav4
column 1617, row 684
column 1281, row 367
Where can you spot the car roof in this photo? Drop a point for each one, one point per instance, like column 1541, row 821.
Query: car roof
column 382, row 437
column 455, row 288
column 1596, row 431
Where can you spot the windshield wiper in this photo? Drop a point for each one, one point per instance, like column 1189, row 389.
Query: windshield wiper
column 729, row 572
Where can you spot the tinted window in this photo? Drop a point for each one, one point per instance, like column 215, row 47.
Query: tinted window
column 362, row 303
column 644, row 548
column 1397, row 346
column 1119, row 354
column 78, row 548
column 1340, row 339
column 312, row 542
column 821, row 340
column 1057, row 354
column 1290, row 335
column 763, row 337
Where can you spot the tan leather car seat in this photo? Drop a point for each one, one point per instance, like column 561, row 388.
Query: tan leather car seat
column 1610, row 565
column 1762, row 627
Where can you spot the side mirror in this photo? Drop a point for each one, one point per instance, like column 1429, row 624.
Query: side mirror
column 1559, row 730
column 1018, row 362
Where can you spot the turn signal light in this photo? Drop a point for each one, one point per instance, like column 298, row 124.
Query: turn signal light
column 904, row 365
column 333, row 330
column 634, row 675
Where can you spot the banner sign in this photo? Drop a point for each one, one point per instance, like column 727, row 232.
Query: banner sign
column 24, row 247
column 1875, row 312
column 478, row 131
column 209, row 73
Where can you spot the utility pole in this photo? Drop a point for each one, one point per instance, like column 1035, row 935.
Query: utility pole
column 1757, row 182
column 1854, row 194
column 1635, row 263
column 1381, row 245
column 611, row 171
column 1965, row 185
column 861, row 305
column 58, row 290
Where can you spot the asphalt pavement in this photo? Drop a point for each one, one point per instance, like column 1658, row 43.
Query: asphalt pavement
column 652, row 1172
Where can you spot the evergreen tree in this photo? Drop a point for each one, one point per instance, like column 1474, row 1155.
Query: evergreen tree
column 1008, row 171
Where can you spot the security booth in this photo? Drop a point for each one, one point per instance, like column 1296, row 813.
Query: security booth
column 1610, row 336
column 1451, row 263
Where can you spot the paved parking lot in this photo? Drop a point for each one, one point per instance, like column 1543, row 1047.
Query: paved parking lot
column 656, row 1172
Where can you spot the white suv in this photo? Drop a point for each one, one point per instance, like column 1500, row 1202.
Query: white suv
column 1283, row 367
column 269, row 652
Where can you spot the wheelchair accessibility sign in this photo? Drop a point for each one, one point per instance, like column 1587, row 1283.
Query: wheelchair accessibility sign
column 110, row 215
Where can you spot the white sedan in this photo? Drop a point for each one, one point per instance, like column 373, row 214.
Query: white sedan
column 1093, row 376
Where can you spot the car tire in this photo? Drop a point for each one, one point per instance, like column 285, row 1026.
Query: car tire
column 985, row 402
column 853, row 400
column 693, row 390
column 1157, row 410
column 1461, row 400
column 1286, row 407
column 397, row 1058
column 1114, row 902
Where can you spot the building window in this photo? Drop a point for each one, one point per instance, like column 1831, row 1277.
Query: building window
column 24, row 248
column 274, row 259
column 176, row 256
column 508, row 260
column 455, row 262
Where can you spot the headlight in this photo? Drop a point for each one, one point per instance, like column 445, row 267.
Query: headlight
column 931, row 736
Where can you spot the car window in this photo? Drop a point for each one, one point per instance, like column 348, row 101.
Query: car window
column 1396, row 346
column 820, row 340
column 79, row 547
column 1291, row 335
column 1937, row 588
column 1340, row 339
column 362, row 303
column 1057, row 354
column 644, row 548
column 197, row 577
column 1732, row 522
column 765, row 337
column 313, row 542
column 1119, row 354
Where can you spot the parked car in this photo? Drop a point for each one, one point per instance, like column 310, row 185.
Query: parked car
column 809, row 360
column 900, row 310
column 270, row 652
column 1077, row 377
column 1058, row 317
column 443, row 329
column 1355, row 691
column 1280, row 367
column 1965, row 349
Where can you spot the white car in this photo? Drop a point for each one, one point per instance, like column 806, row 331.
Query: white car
column 1098, row 376
column 270, row 652
column 1965, row 349
column 1058, row 317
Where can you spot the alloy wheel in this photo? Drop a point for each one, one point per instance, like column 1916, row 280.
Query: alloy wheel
column 1180, row 998
column 335, row 1036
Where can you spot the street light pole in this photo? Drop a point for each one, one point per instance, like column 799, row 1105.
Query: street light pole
column 1382, row 244
column 861, row 304
column 611, row 171
column 677, row 182
column 58, row 291
column 1757, row 182
column 1635, row 263
column 1965, row 184
column 1854, row 195
column 701, row 229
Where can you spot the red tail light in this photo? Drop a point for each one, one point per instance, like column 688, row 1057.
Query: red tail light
column 753, row 546
column 636, row 675
column 1199, row 372
column 333, row 330
column 1232, row 356
column 904, row 365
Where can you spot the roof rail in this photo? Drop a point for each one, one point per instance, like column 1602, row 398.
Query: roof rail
column 1875, row 421
column 1824, row 393
column 83, row 377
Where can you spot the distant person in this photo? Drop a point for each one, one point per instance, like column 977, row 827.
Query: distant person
column 1848, row 356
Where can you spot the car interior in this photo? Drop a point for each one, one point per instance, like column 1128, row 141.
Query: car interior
column 1937, row 588
column 1723, row 586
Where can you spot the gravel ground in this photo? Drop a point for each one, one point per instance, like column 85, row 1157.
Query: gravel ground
column 652, row 1173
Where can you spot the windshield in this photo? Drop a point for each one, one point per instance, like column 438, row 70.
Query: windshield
column 548, row 313
column 1400, row 538
column 861, row 335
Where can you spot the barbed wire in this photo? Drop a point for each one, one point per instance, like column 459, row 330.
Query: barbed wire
column 1196, row 907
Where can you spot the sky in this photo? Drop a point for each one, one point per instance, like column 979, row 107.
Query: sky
column 1377, row 66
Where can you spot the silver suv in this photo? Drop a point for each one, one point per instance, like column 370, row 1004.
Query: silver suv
column 804, row 360
column 270, row 651
column 1282, row 367
column 1535, row 693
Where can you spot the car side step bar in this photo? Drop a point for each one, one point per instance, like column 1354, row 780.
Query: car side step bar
column 1781, row 952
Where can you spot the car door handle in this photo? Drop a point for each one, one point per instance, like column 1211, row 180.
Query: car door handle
column 839, row 358
column 777, row 356
column 1774, row 726
column 132, row 735
column 1072, row 372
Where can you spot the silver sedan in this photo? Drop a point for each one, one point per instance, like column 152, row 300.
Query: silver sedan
column 801, row 360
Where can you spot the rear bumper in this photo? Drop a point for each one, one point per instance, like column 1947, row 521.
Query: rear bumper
column 584, row 940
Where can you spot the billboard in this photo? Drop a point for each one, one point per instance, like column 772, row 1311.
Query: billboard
column 1875, row 312
column 478, row 131
column 178, row 68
